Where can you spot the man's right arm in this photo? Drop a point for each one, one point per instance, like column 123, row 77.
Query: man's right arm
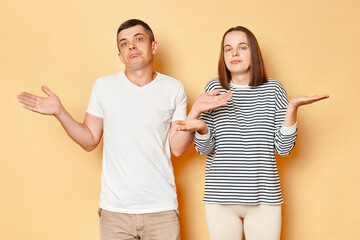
column 86, row 134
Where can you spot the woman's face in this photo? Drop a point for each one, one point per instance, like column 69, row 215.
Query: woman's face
column 237, row 53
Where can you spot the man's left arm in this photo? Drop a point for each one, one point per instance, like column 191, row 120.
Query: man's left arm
column 179, row 140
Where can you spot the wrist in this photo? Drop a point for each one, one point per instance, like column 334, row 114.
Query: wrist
column 193, row 114
column 59, row 112
column 204, row 130
column 292, row 107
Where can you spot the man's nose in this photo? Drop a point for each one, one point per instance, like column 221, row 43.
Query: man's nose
column 132, row 46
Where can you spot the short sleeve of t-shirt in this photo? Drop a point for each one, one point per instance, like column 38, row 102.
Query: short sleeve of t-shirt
column 181, row 103
column 94, row 107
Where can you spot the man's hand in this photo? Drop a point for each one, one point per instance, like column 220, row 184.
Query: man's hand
column 87, row 134
column 192, row 125
column 209, row 101
column 50, row 105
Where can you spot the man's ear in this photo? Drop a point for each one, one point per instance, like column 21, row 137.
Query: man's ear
column 121, row 58
column 154, row 47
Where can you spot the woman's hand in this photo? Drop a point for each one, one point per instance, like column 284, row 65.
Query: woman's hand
column 295, row 103
column 304, row 100
column 192, row 125
column 209, row 101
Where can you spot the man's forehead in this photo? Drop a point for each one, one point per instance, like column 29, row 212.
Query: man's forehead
column 131, row 32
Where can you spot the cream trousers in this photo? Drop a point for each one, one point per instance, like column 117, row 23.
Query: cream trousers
column 229, row 221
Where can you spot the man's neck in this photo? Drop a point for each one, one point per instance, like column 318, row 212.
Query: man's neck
column 140, row 77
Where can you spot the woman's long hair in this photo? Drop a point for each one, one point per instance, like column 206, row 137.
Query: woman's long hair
column 257, row 69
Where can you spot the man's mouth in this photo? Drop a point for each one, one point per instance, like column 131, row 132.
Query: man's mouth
column 134, row 55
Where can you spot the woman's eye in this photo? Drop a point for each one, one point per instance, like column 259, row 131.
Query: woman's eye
column 123, row 44
column 139, row 39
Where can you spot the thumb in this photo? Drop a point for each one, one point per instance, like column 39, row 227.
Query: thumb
column 214, row 92
column 46, row 91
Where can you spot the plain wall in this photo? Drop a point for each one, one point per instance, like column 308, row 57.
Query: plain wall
column 50, row 187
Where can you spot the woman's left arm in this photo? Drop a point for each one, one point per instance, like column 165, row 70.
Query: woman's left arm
column 295, row 103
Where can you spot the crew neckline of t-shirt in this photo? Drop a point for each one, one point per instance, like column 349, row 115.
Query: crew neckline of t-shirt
column 137, row 87
column 239, row 86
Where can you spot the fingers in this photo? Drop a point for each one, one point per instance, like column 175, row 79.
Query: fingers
column 226, row 96
column 324, row 96
column 26, row 95
column 316, row 98
column 182, row 125
column 180, row 122
column 213, row 92
column 219, row 104
column 186, row 129
column 46, row 90
column 304, row 100
column 27, row 98
column 223, row 99
column 31, row 108
column 185, row 125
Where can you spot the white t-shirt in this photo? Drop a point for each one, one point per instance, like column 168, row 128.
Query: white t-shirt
column 137, row 174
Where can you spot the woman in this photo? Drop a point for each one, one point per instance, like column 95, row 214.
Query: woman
column 242, row 188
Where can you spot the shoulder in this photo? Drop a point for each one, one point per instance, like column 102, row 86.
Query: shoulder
column 272, row 84
column 212, row 85
column 274, row 87
column 169, row 82
column 107, row 79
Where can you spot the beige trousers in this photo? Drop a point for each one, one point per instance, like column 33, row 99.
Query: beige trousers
column 150, row 226
column 228, row 221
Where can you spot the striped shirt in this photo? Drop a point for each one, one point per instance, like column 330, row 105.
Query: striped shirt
column 243, row 136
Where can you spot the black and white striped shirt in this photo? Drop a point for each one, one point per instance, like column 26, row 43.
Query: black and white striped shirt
column 243, row 136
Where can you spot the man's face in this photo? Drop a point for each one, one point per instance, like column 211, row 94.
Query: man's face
column 136, row 50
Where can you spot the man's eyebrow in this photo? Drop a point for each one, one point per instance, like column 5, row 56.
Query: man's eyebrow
column 137, row 34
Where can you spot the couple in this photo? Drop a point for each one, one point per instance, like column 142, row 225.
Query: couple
column 240, row 120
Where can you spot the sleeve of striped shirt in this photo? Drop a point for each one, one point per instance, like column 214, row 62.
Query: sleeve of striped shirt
column 284, row 140
column 205, row 144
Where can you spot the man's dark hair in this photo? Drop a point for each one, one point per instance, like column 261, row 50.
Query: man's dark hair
column 134, row 22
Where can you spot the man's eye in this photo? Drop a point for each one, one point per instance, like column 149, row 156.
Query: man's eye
column 123, row 44
column 139, row 39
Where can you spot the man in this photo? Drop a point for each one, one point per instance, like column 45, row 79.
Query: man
column 136, row 110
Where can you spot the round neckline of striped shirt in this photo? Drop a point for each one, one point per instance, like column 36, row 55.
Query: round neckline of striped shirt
column 239, row 86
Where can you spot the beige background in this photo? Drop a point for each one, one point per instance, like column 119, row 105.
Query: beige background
column 50, row 187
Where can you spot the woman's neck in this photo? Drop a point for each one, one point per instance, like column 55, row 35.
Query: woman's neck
column 241, row 79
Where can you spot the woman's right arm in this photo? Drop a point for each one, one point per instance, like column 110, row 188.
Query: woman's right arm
column 200, row 118
column 204, row 140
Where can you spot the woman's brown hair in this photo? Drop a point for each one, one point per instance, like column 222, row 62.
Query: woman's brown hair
column 257, row 68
